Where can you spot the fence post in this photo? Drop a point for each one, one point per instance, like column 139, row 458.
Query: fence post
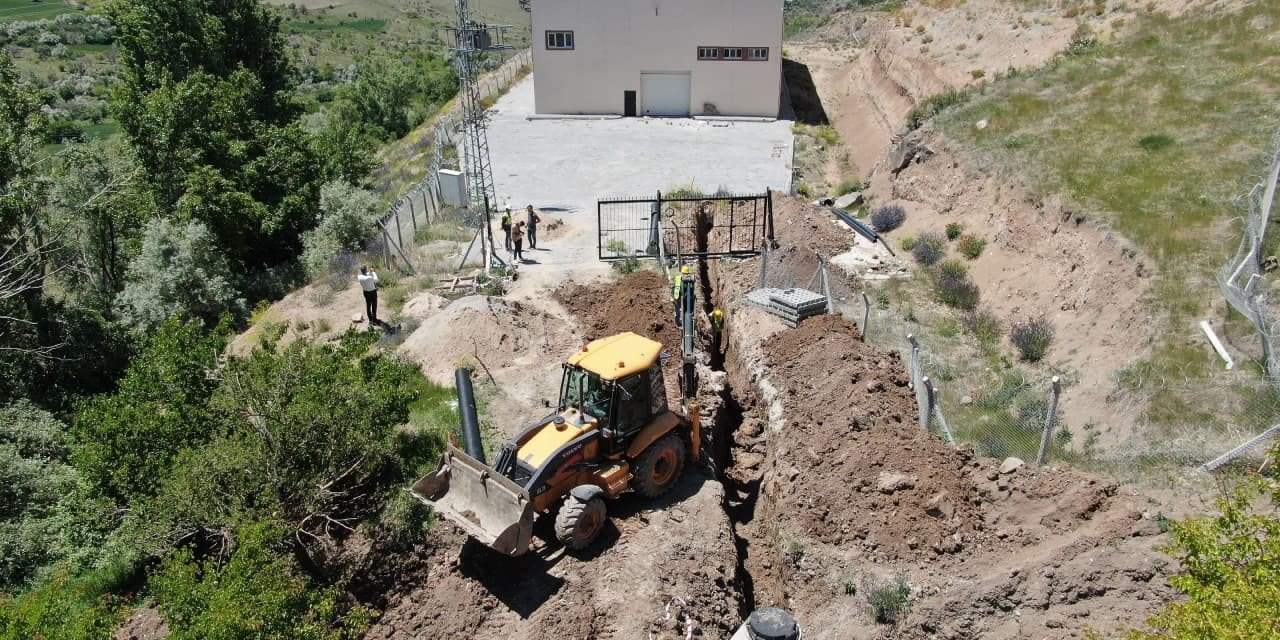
column 942, row 419
column 386, row 248
column 866, row 314
column 1048, row 422
column 826, row 288
column 399, row 236
column 764, row 265
column 426, row 208
column 926, row 400
column 413, row 214
column 915, row 359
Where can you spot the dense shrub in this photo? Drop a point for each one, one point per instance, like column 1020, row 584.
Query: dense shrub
column 1229, row 568
column 955, row 288
column 888, row 217
column 907, row 243
column 254, row 595
column 65, row 607
column 984, row 326
column 929, row 248
column 180, row 272
column 971, row 246
column 1032, row 337
column 347, row 216
column 954, row 229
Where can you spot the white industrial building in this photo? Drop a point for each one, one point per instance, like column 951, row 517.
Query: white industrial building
column 657, row 57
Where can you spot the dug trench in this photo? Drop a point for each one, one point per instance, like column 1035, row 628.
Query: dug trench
column 821, row 488
column 835, row 494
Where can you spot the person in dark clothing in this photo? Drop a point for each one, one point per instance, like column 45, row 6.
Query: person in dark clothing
column 517, row 239
column 533, row 228
column 368, row 280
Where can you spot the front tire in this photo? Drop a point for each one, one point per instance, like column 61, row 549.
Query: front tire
column 579, row 523
column 659, row 467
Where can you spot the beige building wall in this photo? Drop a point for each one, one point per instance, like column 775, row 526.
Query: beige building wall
column 615, row 41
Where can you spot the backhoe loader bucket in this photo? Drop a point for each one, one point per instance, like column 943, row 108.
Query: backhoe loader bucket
column 489, row 507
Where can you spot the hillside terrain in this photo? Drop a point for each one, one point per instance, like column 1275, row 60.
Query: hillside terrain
column 206, row 433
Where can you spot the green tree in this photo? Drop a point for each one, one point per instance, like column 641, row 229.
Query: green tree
column 256, row 594
column 180, row 272
column 166, row 41
column 125, row 441
column 1230, row 569
column 98, row 199
column 380, row 97
column 207, row 105
column 310, row 441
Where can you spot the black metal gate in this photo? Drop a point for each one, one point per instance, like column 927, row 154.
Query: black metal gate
column 715, row 226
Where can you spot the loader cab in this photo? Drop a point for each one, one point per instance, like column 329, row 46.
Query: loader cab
column 619, row 382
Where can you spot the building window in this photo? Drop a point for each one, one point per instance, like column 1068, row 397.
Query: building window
column 758, row 53
column 559, row 39
column 708, row 53
column 733, row 53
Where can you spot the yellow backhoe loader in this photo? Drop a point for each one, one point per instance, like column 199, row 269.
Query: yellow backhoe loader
column 612, row 432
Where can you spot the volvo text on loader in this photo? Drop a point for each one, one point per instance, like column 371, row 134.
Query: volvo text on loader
column 612, row 432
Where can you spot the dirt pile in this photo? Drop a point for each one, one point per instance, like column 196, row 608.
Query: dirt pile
column 858, row 470
column 660, row 568
column 839, row 486
column 640, row 302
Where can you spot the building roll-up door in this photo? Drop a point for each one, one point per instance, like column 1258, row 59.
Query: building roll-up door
column 665, row 94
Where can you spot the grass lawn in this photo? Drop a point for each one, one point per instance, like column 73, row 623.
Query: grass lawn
column 1152, row 135
column 102, row 130
column 29, row 10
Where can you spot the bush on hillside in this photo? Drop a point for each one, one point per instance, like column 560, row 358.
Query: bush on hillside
column 347, row 216
column 929, row 248
column 1032, row 338
column 984, row 326
column 971, row 246
column 954, row 229
column 888, row 217
column 180, row 272
column 957, row 289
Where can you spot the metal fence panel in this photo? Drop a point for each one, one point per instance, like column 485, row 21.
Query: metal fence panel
column 722, row 225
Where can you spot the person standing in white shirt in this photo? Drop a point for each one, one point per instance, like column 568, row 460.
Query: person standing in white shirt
column 368, row 280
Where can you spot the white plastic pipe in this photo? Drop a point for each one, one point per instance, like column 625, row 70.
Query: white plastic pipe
column 1217, row 344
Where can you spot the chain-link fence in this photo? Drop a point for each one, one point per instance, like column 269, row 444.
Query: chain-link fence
column 1156, row 426
column 423, row 203
column 1150, row 429
column 1241, row 279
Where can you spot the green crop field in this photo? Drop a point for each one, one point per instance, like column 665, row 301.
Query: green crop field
column 25, row 10
column 333, row 23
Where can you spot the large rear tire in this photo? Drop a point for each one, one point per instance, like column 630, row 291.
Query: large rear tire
column 659, row 467
column 578, row 523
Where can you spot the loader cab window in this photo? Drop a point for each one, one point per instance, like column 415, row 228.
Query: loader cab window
column 632, row 405
column 657, row 391
column 581, row 389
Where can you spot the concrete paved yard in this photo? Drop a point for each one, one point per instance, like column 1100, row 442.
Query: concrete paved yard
column 573, row 162
column 563, row 166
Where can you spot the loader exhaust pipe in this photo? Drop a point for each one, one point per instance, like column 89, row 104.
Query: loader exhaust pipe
column 467, row 410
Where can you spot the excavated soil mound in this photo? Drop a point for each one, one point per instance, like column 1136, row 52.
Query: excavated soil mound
column 509, row 337
column 639, row 302
column 861, row 471
column 838, row 489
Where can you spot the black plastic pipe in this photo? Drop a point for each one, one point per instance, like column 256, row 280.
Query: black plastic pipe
column 467, row 411
column 857, row 225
